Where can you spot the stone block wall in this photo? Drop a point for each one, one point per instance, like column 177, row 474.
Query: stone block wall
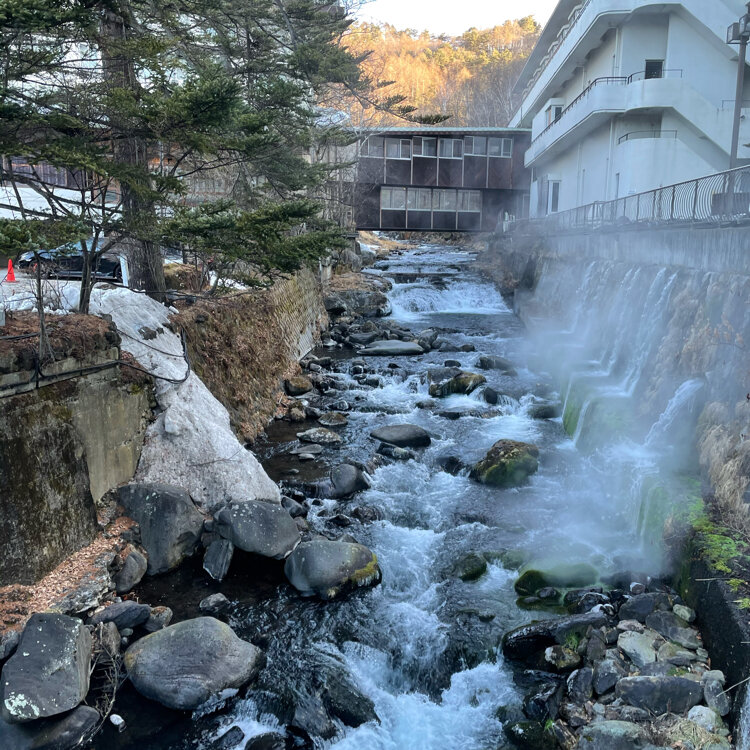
column 61, row 447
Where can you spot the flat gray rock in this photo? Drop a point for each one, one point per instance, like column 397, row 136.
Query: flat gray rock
column 402, row 435
column 392, row 348
column 307, row 449
column 50, row 734
column 187, row 664
column 264, row 529
column 170, row 523
column 49, row 672
column 321, row 436
column 613, row 735
column 217, row 559
column 329, row 569
column 660, row 694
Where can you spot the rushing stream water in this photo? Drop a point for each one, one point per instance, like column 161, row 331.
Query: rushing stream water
column 422, row 644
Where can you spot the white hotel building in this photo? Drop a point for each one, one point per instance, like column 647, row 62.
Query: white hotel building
column 624, row 96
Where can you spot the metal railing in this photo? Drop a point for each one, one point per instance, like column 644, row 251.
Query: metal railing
column 644, row 75
column 561, row 37
column 721, row 198
column 635, row 135
column 608, row 81
column 602, row 81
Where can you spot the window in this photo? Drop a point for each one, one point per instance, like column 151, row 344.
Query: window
column 425, row 147
column 373, row 146
column 393, row 199
column 419, row 199
column 469, row 200
column 444, row 200
column 475, row 145
column 501, row 147
column 553, row 114
column 554, row 197
column 397, row 149
column 451, row 148
column 654, row 69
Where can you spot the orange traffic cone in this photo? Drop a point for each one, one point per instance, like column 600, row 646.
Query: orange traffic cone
column 11, row 276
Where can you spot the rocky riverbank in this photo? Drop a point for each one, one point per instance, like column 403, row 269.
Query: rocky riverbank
column 370, row 598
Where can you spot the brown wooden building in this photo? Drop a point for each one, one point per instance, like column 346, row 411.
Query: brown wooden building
column 441, row 178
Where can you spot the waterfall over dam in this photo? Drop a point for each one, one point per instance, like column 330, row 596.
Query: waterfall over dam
column 646, row 333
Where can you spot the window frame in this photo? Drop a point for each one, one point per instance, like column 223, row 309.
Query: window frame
column 471, row 196
column 400, row 142
column 364, row 149
column 437, row 197
column 420, row 152
column 472, row 151
column 417, row 192
column 503, row 152
column 453, row 142
column 391, row 191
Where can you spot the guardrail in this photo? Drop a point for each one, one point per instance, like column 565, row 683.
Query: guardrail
column 602, row 81
column 635, row 135
column 557, row 43
column 721, row 198
column 644, row 75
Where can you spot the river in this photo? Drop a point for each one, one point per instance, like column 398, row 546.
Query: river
column 423, row 644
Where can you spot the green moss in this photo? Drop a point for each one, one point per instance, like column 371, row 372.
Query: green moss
column 572, row 413
column 735, row 584
column 743, row 603
column 572, row 641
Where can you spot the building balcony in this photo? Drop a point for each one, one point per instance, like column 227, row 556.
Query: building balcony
column 583, row 33
column 609, row 97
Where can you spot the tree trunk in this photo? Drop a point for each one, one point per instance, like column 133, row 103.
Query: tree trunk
column 138, row 212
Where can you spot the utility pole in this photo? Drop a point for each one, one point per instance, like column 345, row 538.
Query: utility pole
column 739, row 33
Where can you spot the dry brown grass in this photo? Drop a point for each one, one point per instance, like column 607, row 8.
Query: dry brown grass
column 19, row 602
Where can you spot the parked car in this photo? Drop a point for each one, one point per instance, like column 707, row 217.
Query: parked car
column 66, row 262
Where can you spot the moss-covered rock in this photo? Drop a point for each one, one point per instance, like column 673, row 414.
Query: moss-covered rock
column 507, row 464
column 561, row 576
column 471, row 567
column 445, row 381
column 331, row 569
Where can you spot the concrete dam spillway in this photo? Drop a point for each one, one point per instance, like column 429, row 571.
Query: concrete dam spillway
column 626, row 356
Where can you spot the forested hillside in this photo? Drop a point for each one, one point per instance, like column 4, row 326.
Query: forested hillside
column 468, row 78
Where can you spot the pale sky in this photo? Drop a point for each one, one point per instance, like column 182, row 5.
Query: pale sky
column 453, row 16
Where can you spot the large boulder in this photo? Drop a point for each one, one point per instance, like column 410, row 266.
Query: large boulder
column 402, row 435
column 554, row 573
column 330, row 569
column 639, row 607
column 445, row 381
column 660, row 694
column 347, row 479
column 528, row 640
column 392, row 348
column 49, row 672
column 264, row 529
column 186, row 665
column 298, row 385
column 492, row 362
column 170, row 523
column 674, row 628
column 63, row 733
column 369, row 303
column 507, row 464
column 127, row 614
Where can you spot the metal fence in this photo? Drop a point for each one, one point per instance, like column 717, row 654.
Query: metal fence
column 721, row 198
